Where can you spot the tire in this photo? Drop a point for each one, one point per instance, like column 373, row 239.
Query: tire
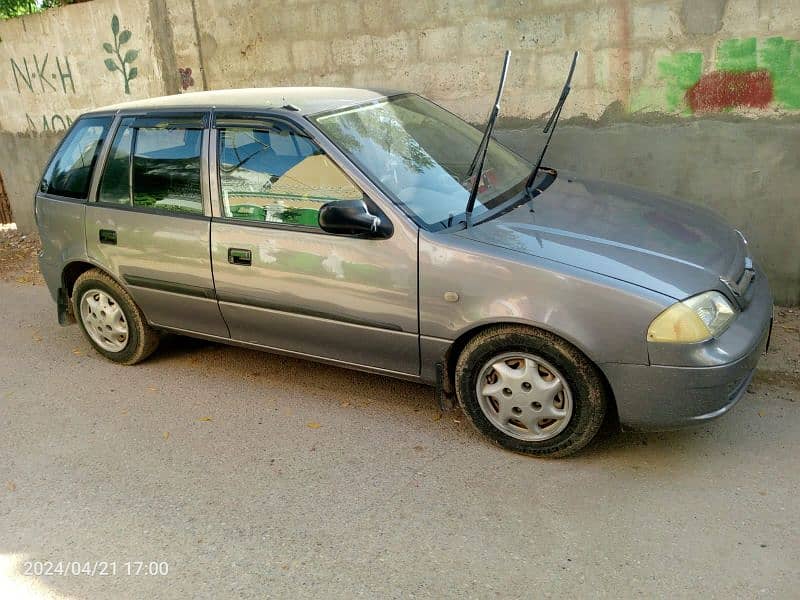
column 528, row 352
column 140, row 340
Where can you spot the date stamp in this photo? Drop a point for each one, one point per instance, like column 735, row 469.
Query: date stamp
column 95, row 568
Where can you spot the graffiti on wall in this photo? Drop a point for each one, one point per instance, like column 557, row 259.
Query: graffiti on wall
column 747, row 74
column 43, row 74
column 121, row 62
column 47, row 73
column 54, row 122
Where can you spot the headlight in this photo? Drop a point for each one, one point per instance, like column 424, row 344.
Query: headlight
column 696, row 319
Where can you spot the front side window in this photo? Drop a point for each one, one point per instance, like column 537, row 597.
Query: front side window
column 154, row 167
column 70, row 171
column 277, row 175
column 420, row 155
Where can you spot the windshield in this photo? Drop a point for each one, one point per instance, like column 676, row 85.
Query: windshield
column 420, row 154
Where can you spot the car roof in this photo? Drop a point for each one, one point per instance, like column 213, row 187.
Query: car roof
column 308, row 100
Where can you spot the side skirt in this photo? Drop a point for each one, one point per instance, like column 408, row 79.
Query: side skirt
column 290, row 353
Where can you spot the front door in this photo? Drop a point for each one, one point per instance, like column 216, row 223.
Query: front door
column 284, row 283
column 149, row 225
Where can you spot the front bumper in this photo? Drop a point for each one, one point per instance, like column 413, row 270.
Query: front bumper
column 660, row 397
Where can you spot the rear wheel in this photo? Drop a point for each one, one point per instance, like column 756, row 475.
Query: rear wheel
column 110, row 319
column 530, row 391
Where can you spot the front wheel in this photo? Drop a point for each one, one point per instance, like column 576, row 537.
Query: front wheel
column 530, row 391
column 110, row 319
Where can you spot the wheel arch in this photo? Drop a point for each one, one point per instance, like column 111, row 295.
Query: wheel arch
column 457, row 346
column 74, row 269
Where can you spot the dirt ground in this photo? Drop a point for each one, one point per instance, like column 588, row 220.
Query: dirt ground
column 18, row 257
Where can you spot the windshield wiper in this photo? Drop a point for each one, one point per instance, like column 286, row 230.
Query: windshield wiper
column 476, row 167
column 551, row 127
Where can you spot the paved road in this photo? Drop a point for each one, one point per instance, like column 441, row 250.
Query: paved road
column 255, row 476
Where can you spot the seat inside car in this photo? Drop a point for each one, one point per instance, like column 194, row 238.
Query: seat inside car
column 263, row 151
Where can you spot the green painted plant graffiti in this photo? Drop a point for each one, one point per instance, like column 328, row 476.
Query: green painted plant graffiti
column 122, row 62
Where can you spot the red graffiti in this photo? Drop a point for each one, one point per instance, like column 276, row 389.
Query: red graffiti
column 724, row 89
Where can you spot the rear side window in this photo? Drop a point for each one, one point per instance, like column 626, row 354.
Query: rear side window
column 154, row 167
column 70, row 171
column 166, row 170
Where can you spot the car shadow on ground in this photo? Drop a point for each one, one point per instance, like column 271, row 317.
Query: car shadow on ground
column 386, row 394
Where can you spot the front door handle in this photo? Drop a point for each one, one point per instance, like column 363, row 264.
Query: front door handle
column 108, row 236
column 239, row 256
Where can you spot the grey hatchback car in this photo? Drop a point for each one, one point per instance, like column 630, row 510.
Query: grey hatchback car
column 330, row 224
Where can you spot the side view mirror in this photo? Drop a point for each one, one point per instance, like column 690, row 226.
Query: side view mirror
column 352, row 217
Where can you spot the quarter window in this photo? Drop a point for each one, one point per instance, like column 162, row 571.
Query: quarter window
column 70, row 171
column 277, row 175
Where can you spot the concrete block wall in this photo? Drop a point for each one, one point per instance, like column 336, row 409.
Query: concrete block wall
column 696, row 98
column 451, row 51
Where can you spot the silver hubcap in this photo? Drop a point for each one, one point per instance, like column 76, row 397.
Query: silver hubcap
column 524, row 396
column 104, row 321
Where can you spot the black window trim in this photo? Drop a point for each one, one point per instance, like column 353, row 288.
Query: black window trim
column 131, row 156
column 153, row 211
column 100, row 167
column 197, row 121
column 255, row 119
column 162, row 118
column 271, row 225
column 97, row 159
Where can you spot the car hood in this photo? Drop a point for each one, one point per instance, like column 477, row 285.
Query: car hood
column 653, row 241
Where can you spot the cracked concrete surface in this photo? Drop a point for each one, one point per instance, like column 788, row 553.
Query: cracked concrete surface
column 256, row 476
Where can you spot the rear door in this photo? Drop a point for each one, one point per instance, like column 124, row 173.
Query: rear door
column 284, row 283
column 149, row 223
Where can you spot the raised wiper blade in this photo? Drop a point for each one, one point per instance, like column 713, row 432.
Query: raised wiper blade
column 551, row 123
column 476, row 167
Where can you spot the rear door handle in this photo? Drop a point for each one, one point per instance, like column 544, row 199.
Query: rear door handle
column 108, row 236
column 239, row 256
